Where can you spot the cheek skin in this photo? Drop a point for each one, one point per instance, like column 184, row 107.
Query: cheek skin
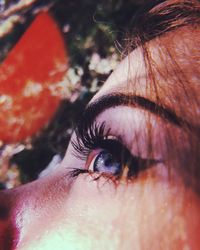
column 147, row 213
column 150, row 213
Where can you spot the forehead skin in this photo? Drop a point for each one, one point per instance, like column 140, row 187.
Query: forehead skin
column 170, row 76
column 150, row 213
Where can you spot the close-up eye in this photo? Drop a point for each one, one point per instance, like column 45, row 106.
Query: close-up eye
column 106, row 162
column 99, row 125
column 107, row 155
column 110, row 159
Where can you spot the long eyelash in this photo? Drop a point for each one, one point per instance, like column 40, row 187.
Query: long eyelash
column 77, row 171
column 96, row 176
column 88, row 139
column 97, row 136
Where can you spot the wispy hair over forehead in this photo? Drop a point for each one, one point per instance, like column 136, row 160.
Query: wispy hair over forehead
column 171, row 30
column 156, row 18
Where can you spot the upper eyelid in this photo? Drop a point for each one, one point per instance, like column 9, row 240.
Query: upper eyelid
column 139, row 136
column 120, row 133
column 118, row 99
column 104, row 103
column 97, row 137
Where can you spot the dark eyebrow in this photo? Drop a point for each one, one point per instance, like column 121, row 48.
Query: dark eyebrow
column 118, row 99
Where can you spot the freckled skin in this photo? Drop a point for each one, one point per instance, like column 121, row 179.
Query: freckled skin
column 151, row 212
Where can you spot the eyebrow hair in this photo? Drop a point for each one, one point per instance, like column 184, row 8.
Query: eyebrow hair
column 118, row 99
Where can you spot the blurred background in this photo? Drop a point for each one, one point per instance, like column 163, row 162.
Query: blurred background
column 54, row 55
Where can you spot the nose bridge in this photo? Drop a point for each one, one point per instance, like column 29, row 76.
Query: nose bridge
column 13, row 203
column 8, row 227
column 20, row 207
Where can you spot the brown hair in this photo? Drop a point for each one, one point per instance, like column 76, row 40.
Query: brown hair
column 177, row 67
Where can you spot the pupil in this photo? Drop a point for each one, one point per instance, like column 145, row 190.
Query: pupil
column 106, row 163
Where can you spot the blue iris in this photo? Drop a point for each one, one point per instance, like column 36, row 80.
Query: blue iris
column 105, row 162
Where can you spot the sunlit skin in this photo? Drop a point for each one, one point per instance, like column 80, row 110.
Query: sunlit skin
column 152, row 211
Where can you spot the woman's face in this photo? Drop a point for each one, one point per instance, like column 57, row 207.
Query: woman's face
column 129, row 192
